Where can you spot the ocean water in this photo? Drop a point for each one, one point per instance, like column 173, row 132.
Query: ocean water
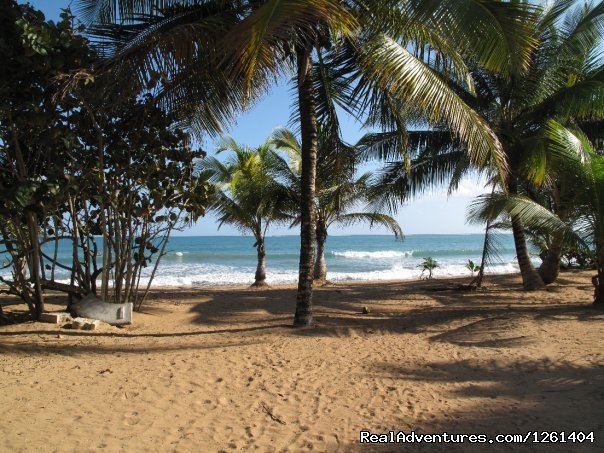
column 231, row 260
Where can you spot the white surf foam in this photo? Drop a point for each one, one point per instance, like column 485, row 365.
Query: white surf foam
column 197, row 274
column 382, row 254
column 400, row 272
column 217, row 275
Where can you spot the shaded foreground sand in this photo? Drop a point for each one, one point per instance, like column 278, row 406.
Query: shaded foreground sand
column 221, row 370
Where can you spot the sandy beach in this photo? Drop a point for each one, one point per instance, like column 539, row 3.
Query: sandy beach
column 222, row 370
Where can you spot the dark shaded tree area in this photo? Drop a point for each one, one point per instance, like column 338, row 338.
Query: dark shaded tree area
column 84, row 163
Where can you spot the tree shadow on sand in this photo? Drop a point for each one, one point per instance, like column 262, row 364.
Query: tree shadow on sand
column 425, row 306
column 69, row 349
column 523, row 396
column 515, row 393
column 340, row 302
column 487, row 317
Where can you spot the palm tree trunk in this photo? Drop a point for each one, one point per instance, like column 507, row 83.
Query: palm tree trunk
column 308, row 132
column 320, row 275
column 260, row 278
column 483, row 259
column 550, row 268
column 598, row 280
column 530, row 277
column 531, row 280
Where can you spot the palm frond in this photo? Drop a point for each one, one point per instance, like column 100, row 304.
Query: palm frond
column 488, row 208
column 284, row 140
column 214, row 170
column 583, row 100
column 581, row 30
column 497, row 34
column 439, row 163
column 112, row 11
column 373, row 219
column 492, row 244
column 257, row 46
column 392, row 67
column 555, row 149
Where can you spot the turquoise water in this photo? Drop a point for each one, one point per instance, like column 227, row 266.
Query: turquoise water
column 223, row 260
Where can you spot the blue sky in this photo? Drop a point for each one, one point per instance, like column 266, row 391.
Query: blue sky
column 433, row 213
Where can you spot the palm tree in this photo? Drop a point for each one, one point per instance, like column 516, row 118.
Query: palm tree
column 429, row 264
column 584, row 230
column 362, row 45
column 593, row 198
column 338, row 189
column 246, row 194
column 536, row 114
column 332, row 207
column 582, row 200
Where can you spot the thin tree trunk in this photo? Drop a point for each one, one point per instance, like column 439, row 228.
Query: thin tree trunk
column 483, row 259
column 32, row 225
column 56, row 248
column 103, row 212
column 320, row 274
column 486, row 245
column 152, row 276
column 137, row 270
column 19, row 285
column 308, row 130
column 74, row 253
column 260, row 278
column 550, row 268
column 85, row 244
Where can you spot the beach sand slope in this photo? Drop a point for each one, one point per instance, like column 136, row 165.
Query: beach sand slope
column 222, row 370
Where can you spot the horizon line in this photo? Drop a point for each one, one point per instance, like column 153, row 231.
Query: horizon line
column 331, row 235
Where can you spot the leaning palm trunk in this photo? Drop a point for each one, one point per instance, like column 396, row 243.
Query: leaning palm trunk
column 550, row 268
column 308, row 132
column 531, row 280
column 485, row 251
column 260, row 278
column 598, row 279
column 320, row 273
column 530, row 277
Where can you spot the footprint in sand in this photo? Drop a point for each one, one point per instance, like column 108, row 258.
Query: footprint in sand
column 131, row 419
column 248, row 431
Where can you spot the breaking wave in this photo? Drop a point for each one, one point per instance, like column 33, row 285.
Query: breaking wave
column 373, row 255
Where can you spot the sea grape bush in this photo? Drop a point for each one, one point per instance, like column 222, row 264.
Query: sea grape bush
column 86, row 162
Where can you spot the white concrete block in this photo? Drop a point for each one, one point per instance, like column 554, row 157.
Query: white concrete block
column 115, row 314
column 85, row 324
column 55, row 317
